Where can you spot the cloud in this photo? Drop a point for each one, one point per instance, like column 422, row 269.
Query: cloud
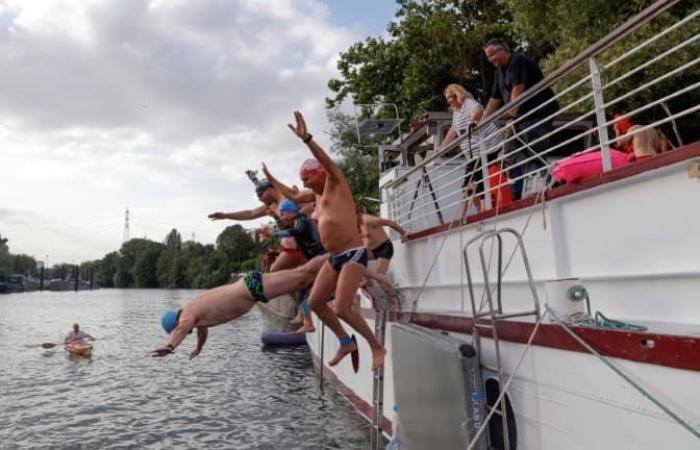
column 114, row 103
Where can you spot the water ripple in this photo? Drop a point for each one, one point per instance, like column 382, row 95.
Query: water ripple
column 235, row 395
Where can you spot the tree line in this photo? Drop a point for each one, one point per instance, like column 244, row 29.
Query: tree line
column 144, row 263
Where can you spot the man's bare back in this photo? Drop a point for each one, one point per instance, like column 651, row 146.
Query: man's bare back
column 226, row 303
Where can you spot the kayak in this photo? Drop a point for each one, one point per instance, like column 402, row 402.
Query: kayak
column 79, row 349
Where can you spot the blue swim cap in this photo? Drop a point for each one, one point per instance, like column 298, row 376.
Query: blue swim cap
column 288, row 206
column 169, row 320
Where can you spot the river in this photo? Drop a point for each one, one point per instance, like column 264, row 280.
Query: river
column 235, row 395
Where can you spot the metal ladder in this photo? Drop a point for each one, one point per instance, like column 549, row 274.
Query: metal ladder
column 381, row 303
column 496, row 314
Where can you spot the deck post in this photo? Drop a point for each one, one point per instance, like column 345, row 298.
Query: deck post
column 597, row 83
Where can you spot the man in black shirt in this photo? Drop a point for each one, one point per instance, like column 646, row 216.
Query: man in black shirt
column 515, row 73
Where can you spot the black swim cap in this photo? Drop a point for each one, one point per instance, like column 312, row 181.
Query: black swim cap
column 262, row 186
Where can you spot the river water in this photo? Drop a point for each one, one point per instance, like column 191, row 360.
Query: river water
column 235, row 395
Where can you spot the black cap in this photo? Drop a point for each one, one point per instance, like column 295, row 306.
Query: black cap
column 262, row 186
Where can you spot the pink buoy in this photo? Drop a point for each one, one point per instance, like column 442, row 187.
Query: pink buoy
column 583, row 165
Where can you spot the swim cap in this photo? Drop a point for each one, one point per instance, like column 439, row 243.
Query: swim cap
column 169, row 320
column 262, row 185
column 310, row 166
column 288, row 206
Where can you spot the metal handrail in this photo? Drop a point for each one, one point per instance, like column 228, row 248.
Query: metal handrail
column 582, row 58
column 455, row 196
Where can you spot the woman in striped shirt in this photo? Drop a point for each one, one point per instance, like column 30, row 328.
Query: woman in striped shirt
column 466, row 112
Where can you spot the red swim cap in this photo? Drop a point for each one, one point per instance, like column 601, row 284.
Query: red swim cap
column 310, row 167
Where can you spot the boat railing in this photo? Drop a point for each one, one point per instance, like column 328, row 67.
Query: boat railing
column 619, row 73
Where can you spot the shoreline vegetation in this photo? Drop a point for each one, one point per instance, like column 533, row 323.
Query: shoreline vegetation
column 144, row 263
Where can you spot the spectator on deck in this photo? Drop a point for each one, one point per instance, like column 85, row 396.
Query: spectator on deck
column 634, row 139
column 466, row 113
column 516, row 73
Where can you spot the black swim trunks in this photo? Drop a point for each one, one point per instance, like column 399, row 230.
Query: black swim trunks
column 384, row 250
column 253, row 281
column 354, row 255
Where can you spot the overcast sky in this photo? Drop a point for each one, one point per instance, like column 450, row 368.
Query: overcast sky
column 158, row 106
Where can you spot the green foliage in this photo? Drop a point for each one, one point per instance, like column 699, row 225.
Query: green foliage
column 430, row 45
column 24, row 264
column 144, row 270
column 5, row 257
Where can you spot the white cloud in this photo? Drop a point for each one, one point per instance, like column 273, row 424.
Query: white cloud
column 159, row 106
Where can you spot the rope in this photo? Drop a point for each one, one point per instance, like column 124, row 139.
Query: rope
column 618, row 371
column 600, row 321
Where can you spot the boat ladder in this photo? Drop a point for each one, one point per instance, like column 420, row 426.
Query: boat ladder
column 381, row 306
column 486, row 322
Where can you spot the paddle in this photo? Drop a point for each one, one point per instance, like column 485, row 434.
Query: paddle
column 48, row 345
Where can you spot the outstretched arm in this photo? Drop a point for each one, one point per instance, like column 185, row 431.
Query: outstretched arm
column 301, row 131
column 305, row 196
column 202, row 333
column 248, row 214
column 375, row 221
column 184, row 326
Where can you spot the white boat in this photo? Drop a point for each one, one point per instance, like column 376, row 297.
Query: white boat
column 625, row 241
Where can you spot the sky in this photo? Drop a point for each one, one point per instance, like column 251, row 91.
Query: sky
column 158, row 106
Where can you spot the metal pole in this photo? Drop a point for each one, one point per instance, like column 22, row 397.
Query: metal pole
column 597, row 83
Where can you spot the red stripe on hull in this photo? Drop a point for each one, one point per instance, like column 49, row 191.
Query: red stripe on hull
column 680, row 352
column 664, row 159
column 361, row 405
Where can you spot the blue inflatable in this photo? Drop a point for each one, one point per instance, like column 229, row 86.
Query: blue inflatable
column 279, row 338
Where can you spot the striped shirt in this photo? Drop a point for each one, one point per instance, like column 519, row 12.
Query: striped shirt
column 491, row 133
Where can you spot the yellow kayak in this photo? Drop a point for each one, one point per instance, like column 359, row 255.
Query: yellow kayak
column 79, row 349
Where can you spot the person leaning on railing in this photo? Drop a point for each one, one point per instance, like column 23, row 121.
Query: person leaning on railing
column 466, row 111
column 516, row 73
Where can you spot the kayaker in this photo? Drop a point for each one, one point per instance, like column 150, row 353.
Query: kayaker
column 76, row 335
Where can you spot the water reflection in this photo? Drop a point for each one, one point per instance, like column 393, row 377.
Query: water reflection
column 233, row 396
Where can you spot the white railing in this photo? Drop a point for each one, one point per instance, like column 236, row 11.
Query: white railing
column 431, row 193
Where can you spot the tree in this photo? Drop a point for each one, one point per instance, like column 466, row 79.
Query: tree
column 430, row 45
column 236, row 244
column 173, row 241
column 144, row 269
column 5, row 257
column 107, row 269
column 24, row 264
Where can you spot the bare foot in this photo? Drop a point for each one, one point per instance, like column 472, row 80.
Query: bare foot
column 342, row 353
column 297, row 319
column 378, row 358
column 306, row 329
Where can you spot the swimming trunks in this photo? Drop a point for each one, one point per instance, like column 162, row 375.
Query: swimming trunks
column 253, row 281
column 356, row 255
column 384, row 250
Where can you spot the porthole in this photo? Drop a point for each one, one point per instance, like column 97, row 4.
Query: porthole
column 496, row 438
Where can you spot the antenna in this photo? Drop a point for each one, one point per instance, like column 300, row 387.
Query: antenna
column 126, row 226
